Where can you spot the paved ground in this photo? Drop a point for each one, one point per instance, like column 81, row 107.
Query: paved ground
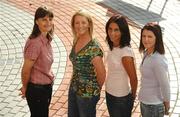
column 16, row 20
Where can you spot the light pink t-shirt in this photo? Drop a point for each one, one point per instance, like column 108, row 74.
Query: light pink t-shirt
column 40, row 50
column 117, row 81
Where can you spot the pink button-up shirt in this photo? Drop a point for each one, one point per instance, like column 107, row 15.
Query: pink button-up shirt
column 40, row 50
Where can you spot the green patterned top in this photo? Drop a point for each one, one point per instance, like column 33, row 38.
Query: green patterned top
column 84, row 81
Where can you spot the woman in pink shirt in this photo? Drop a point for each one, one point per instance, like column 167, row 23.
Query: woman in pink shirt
column 37, row 77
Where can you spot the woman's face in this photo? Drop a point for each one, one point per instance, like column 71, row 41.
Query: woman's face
column 45, row 24
column 81, row 25
column 148, row 40
column 114, row 33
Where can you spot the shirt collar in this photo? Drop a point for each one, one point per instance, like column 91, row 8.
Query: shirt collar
column 152, row 54
column 44, row 39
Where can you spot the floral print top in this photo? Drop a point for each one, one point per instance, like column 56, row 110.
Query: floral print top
column 84, row 81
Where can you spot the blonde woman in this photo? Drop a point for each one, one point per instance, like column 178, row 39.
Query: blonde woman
column 88, row 68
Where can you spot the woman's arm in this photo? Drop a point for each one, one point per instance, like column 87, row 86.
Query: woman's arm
column 128, row 63
column 161, row 73
column 25, row 75
column 100, row 70
column 167, row 107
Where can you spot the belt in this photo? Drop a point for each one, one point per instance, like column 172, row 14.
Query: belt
column 40, row 85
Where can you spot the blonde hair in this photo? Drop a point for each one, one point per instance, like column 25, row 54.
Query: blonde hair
column 88, row 17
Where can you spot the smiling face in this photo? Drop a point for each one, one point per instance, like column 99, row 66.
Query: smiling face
column 114, row 33
column 45, row 24
column 81, row 25
column 148, row 40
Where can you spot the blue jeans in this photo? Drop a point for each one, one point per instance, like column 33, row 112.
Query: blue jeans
column 119, row 106
column 152, row 110
column 80, row 106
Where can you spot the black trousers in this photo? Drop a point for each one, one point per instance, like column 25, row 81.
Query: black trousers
column 38, row 99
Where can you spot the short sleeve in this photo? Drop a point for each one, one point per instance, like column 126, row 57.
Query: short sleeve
column 32, row 49
column 127, row 51
column 96, row 51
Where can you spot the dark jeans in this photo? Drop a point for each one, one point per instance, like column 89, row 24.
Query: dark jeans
column 38, row 99
column 80, row 106
column 119, row 106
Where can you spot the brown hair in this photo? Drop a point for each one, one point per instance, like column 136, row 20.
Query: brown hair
column 156, row 29
column 40, row 13
column 124, row 29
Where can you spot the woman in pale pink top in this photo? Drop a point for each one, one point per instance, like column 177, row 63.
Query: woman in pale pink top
column 37, row 77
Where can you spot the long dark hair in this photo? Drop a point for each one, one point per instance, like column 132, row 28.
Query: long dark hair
column 40, row 13
column 156, row 29
column 124, row 28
